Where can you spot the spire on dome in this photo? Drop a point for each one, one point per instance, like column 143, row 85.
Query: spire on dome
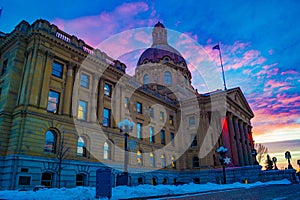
column 158, row 24
column 159, row 34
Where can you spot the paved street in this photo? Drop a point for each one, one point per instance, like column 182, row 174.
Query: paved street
column 278, row 192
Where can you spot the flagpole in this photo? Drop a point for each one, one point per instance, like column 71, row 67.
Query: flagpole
column 223, row 74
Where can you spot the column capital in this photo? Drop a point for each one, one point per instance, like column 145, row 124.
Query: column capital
column 50, row 54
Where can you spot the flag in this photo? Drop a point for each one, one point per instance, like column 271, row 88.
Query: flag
column 216, row 47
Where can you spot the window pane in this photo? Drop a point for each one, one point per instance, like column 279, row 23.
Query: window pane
column 152, row 160
column 53, row 101
column 84, row 80
column 80, row 180
column 192, row 121
column 194, row 142
column 57, row 69
column 106, row 151
column 107, row 90
column 139, row 107
column 163, row 161
column 168, row 77
column 151, row 112
column 47, row 179
column 161, row 116
column 139, row 130
column 171, row 120
column 82, row 110
column 162, row 137
column 24, row 180
column 126, row 102
column 81, row 148
column 50, row 142
column 151, row 134
column 106, row 117
column 139, row 157
column 172, row 135
column 146, row 79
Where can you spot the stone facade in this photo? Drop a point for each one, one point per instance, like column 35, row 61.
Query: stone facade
column 61, row 102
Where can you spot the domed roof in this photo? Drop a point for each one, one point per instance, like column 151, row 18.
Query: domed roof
column 159, row 52
column 160, row 48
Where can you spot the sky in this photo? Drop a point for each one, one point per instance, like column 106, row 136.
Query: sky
column 259, row 41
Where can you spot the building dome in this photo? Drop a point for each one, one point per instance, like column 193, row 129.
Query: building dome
column 161, row 52
column 160, row 49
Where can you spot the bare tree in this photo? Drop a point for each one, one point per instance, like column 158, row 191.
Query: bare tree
column 61, row 155
column 262, row 151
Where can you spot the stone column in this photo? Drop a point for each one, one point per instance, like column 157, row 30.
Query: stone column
column 248, row 145
column 94, row 96
column 225, row 135
column 238, row 141
column 243, row 144
column 46, row 76
column 234, row 154
column 68, row 90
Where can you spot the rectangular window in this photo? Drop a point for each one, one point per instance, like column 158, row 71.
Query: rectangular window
column 162, row 137
column 84, row 81
column 24, row 169
column 139, row 107
column 57, row 69
column 106, row 117
column 151, row 134
column 139, row 130
column 53, row 101
column 126, row 102
column 24, row 180
column 107, row 90
column 151, row 112
column 171, row 118
column 192, row 121
column 172, row 136
column 82, row 110
column 4, row 67
column 161, row 116
column 194, row 142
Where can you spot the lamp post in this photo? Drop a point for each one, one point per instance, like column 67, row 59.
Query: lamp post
column 254, row 154
column 288, row 157
column 222, row 151
column 126, row 126
column 274, row 159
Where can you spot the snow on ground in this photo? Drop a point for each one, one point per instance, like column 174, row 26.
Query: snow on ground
column 85, row 193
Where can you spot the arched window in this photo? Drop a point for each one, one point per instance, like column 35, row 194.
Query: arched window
column 163, row 160
column 196, row 163
column 146, row 79
column 47, row 179
column 168, row 77
column 139, row 157
column 173, row 162
column 81, row 147
column 106, row 154
column 152, row 159
column 80, row 179
column 50, row 142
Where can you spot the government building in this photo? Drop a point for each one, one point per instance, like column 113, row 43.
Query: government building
column 62, row 101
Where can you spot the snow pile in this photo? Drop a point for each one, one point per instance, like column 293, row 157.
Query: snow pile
column 85, row 193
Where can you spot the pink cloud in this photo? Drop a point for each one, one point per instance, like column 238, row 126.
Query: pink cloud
column 289, row 72
column 270, row 52
column 94, row 29
column 271, row 84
